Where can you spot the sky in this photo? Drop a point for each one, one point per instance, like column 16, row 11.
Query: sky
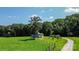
column 11, row 15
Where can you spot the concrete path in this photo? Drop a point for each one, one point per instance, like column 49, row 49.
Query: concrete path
column 68, row 46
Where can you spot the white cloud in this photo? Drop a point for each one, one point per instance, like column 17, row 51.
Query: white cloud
column 51, row 17
column 12, row 16
column 9, row 16
column 72, row 10
column 33, row 15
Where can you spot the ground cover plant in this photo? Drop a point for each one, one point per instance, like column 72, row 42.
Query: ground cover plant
column 29, row 44
column 76, row 43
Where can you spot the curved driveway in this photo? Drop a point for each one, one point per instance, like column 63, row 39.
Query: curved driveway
column 68, row 46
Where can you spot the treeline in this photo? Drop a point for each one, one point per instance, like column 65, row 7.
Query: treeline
column 68, row 26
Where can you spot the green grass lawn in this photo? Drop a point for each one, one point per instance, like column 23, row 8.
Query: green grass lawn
column 76, row 43
column 28, row 44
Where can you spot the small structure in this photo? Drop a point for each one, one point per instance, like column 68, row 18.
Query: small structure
column 38, row 35
column 55, row 36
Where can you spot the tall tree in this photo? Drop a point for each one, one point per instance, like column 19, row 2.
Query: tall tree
column 58, row 26
column 47, row 28
column 35, row 24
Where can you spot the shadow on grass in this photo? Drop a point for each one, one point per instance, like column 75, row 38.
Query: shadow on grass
column 27, row 39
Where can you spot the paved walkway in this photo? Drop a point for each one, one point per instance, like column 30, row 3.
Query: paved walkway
column 68, row 46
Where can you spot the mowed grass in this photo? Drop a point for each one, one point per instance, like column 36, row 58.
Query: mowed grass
column 28, row 44
column 76, row 43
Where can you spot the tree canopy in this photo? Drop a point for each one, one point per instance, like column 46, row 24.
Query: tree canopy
column 68, row 26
